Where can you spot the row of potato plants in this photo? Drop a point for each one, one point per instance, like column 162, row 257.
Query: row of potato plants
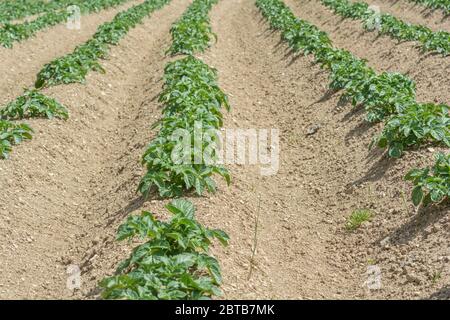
column 74, row 66
column 174, row 262
column 438, row 41
column 67, row 69
column 192, row 100
column 18, row 9
column 191, row 97
column 192, row 32
column 388, row 97
column 443, row 5
column 53, row 15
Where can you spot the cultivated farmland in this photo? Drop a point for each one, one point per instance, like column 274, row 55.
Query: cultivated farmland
column 347, row 197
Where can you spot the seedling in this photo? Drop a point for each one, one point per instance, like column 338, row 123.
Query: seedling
column 357, row 218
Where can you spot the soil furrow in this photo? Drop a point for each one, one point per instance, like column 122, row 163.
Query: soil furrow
column 291, row 259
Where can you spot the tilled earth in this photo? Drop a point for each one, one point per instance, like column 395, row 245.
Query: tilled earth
column 65, row 192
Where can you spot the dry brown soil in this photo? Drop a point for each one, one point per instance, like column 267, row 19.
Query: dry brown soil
column 65, row 192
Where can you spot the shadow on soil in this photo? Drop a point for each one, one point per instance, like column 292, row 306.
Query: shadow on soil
column 418, row 223
column 378, row 168
column 133, row 205
column 441, row 294
column 359, row 130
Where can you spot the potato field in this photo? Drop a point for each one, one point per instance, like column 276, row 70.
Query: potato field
column 224, row 149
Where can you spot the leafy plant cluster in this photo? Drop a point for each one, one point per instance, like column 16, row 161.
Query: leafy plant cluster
column 418, row 124
column 444, row 5
column 173, row 263
column 192, row 100
column 438, row 41
column 388, row 97
column 12, row 134
column 53, row 14
column 74, row 67
column 431, row 184
column 33, row 104
column 192, row 32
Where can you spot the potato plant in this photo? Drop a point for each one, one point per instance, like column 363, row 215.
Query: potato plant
column 33, row 104
column 190, row 96
column 174, row 261
column 417, row 124
column 75, row 66
column 12, row 134
column 431, row 184
column 386, row 94
column 192, row 32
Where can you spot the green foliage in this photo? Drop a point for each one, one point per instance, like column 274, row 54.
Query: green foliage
column 75, row 66
column 54, row 14
column 431, row 184
column 386, row 94
column 444, row 5
column 417, row 124
column 347, row 72
column 192, row 101
column 192, row 32
column 18, row 9
column 431, row 41
column 357, row 218
column 388, row 97
column 173, row 263
column 33, row 104
column 12, row 134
